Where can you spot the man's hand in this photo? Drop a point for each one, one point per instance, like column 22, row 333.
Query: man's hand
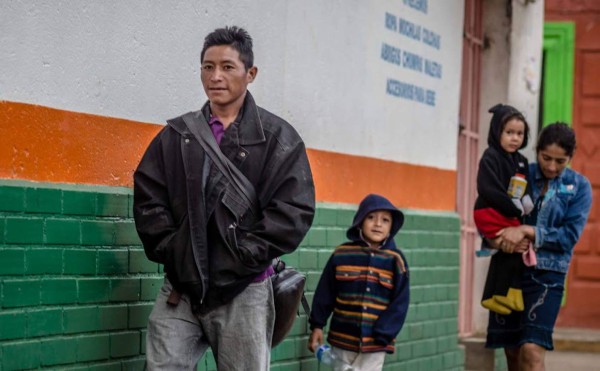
column 315, row 339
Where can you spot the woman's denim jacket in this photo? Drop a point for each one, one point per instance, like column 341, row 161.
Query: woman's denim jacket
column 561, row 219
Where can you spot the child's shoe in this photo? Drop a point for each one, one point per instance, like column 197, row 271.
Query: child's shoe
column 495, row 306
column 513, row 299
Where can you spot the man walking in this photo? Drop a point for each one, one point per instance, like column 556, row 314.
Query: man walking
column 217, row 290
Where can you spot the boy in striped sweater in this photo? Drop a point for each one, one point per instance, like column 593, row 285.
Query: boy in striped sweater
column 365, row 288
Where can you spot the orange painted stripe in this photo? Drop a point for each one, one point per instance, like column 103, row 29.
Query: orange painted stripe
column 345, row 178
column 51, row 145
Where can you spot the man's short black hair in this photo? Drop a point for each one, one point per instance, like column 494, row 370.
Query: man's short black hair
column 234, row 36
column 558, row 133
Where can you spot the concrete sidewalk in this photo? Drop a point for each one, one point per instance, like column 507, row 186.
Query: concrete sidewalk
column 575, row 349
column 562, row 360
column 577, row 339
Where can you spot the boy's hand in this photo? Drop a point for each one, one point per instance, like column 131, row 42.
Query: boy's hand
column 315, row 339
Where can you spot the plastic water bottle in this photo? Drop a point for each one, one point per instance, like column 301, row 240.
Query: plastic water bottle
column 325, row 357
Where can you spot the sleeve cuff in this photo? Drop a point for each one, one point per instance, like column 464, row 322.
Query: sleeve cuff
column 383, row 340
column 539, row 238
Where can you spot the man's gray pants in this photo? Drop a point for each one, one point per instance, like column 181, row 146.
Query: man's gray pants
column 239, row 333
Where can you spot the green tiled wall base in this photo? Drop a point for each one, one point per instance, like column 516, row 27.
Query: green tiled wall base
column 76, row 288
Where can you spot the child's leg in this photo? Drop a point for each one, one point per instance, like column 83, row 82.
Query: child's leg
column 501, row 294
column 508, row 285
column 489, row 221
column 346, row 357
column 369, row 362
column 490, row 289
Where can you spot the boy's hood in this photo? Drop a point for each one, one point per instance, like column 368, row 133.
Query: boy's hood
column 372, row 203
column 499, row 113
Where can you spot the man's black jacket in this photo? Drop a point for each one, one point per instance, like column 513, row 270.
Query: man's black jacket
column 182, row 205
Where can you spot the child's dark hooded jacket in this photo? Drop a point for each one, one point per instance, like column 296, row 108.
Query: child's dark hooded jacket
column 497, row 166
column 366, row 288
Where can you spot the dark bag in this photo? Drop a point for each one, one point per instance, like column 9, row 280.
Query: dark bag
column 288, row 290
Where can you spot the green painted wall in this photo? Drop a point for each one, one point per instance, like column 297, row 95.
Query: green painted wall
column 76, row 288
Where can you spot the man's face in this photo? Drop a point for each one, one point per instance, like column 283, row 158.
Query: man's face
column 224, row 76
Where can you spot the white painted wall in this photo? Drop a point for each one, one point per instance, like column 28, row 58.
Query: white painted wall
column 319, row 62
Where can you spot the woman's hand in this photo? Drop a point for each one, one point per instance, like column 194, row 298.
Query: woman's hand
column 514, row 239
column 315, row 339
column 505, row 246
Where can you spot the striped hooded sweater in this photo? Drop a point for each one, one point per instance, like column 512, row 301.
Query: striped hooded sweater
column 364, row 289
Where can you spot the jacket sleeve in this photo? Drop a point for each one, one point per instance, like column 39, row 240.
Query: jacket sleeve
column 491, row 188
column 565, row 236
column 287, row 199
column 391, row 320
column 151, row 210
column 324, row 297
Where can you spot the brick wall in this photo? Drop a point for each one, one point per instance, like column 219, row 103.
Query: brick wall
column 76, row 287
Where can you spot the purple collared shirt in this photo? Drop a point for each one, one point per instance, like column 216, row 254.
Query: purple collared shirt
column 218, row 129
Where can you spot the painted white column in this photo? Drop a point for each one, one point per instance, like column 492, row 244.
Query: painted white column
column 526, row 45
column 495, row 64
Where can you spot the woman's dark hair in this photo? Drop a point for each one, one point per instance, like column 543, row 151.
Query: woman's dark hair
column 558, row 133
column 234, row 36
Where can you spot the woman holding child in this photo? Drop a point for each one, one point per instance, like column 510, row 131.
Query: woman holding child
column 562, row 199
